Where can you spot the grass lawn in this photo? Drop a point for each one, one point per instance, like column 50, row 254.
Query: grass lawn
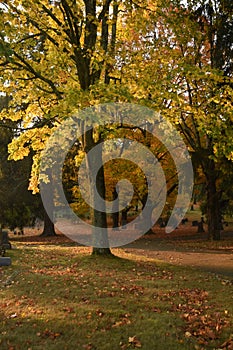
column 58, row 296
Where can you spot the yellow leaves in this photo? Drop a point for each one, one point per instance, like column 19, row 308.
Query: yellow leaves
column 230, row 156
column 13, row 115
column 20, row 147
column 216, row 100
column 79, row 157
column 38, row 137
column 17, row 151
column 34, row 179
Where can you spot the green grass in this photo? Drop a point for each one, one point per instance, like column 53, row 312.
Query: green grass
column 60, row 297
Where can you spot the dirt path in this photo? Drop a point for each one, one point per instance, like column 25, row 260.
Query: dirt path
column 219, row 261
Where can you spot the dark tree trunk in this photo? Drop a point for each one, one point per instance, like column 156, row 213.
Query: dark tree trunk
column 147, row 217
column 101, row 251
column 200, row 228
column 115, row 214
column 147, row 214
column 87, row 77
column 213, row 214
column 99, row 217
column 124, row 215
column 49, row 229
column 212, row 205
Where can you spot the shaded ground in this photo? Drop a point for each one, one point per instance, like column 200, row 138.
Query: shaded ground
column 182, row 247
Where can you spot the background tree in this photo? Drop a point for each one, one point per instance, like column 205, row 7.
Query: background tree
column 180, row 61
column 119, row 168
column 18, row 207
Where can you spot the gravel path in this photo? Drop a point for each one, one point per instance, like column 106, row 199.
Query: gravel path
column 218, row 261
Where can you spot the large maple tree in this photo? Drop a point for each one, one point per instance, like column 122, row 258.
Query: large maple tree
column 58, row 57
column 55, row 58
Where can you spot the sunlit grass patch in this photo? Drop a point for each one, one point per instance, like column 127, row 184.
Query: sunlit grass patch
column 61, row 297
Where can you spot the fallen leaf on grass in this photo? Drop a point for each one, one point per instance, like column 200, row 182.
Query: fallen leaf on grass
column 99, row 313
column 188, row 334
column 195, row 310
column 135, row 342
column 227, row 345
column 155, row 309
column 48, row 334
column 123, row 321
column 68, row 309
column 89, row 347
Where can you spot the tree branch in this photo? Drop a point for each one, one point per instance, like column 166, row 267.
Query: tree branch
column 104, row 10
column 38, row 75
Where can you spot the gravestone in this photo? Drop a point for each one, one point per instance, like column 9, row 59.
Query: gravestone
column 5, row 244
column 5, row 239
column 5, row 261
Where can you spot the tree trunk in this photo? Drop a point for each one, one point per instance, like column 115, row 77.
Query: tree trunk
column 99, row 217
column 115, row 207
column 124, row 215
column 147, row 218
column 101, row 251
column 213, row 210
column 200, row 228
column 49, row 229
column 147, row 214
column 89, row 76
